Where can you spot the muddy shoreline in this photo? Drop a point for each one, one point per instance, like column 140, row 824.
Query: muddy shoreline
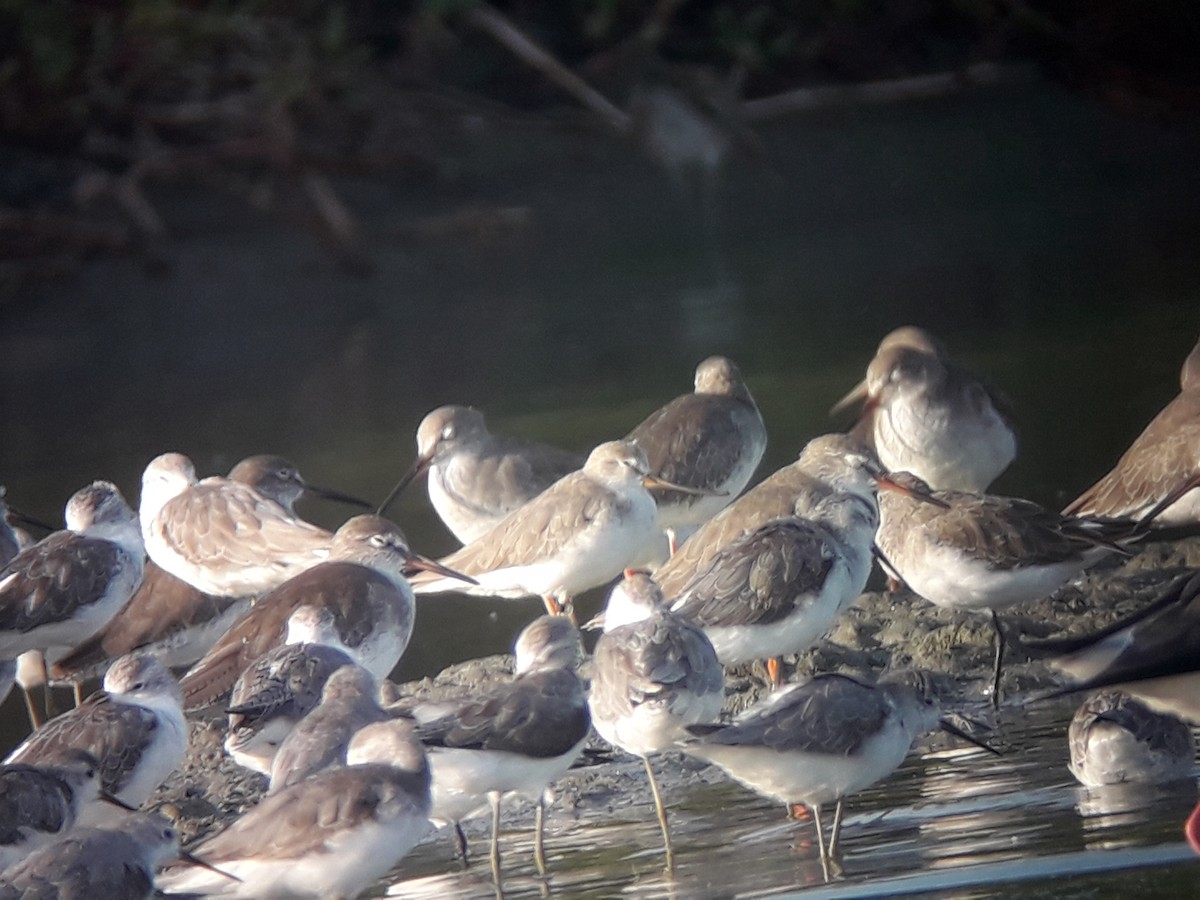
column 878, row 632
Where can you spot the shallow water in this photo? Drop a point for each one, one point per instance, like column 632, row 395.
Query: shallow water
column 1048, row 242
column 953, row 821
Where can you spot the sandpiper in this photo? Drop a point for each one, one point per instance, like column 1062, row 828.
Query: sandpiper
column 925, row 415
column 828, row 464
column 978, row 552
column 282, row 686
column 713, row 438
column 581, row 532
column 1153, row 654
column 821, row 741
column 321, row 739
column 170, row 618
column 66, row 587
column 39, row 804
column 221, row 536
column 475, row 477
column 333, row 834
column 134, row 728
column 653, row 672
column 778, row 590
column 363, row 584
column 516, row 737
column 1163, row 461
column 114, row 862
column 1115, row 739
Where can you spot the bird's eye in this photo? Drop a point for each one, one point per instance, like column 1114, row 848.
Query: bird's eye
column 448, row 433
column 377, row 540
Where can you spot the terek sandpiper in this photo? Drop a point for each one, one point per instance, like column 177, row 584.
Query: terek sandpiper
column 134, row 728
column 1162, row 462
column 713, row 438
column 779, row 589
column 516, row 737
column 653, row 672
column 1115, row 739
column 925, row 415
column 581, row 532
column 116, row 861
column 475, row 477
column 66, row 587
column 982, row 552
column 282, row 686
column 39, row 804
column 320, row 740
column 1153, row 654
column 170, row 618
column 363, row 584
column 333, row 834
column 221, row 536
column 831, row 463
column 820, row 741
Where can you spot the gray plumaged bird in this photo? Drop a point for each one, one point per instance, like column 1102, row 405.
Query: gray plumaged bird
column 653, row 672
column 281, row 687
column 712, row 438
column 134, row 728
column 1115, row 739
column 475, row 477
column 924, row 414
column 333, row 834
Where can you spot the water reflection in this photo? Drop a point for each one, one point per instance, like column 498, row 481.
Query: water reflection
column 946, row 819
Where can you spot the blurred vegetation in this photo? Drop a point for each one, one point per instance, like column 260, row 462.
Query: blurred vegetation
column 262, row 97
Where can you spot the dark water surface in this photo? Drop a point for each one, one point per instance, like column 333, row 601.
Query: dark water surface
column 1050, row 243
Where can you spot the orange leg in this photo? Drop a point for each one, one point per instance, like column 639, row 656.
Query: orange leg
column 775, row 671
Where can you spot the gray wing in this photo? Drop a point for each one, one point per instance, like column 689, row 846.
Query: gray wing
column 507, row 474
column 97, row 864
column 285, row 681
column 542, row 714
column 32, row 798
column 117, row 734
column 831, row 715
column 695, row 440
column 654, row 661
column 299, row 820
column 198, row 524
column 47, row 582
column 760, row 579
column 539, row 528
column 319, row 741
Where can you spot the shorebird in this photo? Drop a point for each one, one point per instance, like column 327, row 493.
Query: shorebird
column 516, row 737
column 362, row 584
column 820, row 741
column 1162, row 462
column 333, row 834
column 713, row 438
column 170, row 618
column 475, row 477
column 282, row 686
column 67, row 586
column 1115, row 739
column 653, row 672
column 581, row 532
column 831, row 463
column 321, row 739
column 134, row 728
column 1153, row 654
column 982, row 552
column 923, row 414
column 113, row 862
column 39, row 804
column 779, row 589
column 221, row 536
